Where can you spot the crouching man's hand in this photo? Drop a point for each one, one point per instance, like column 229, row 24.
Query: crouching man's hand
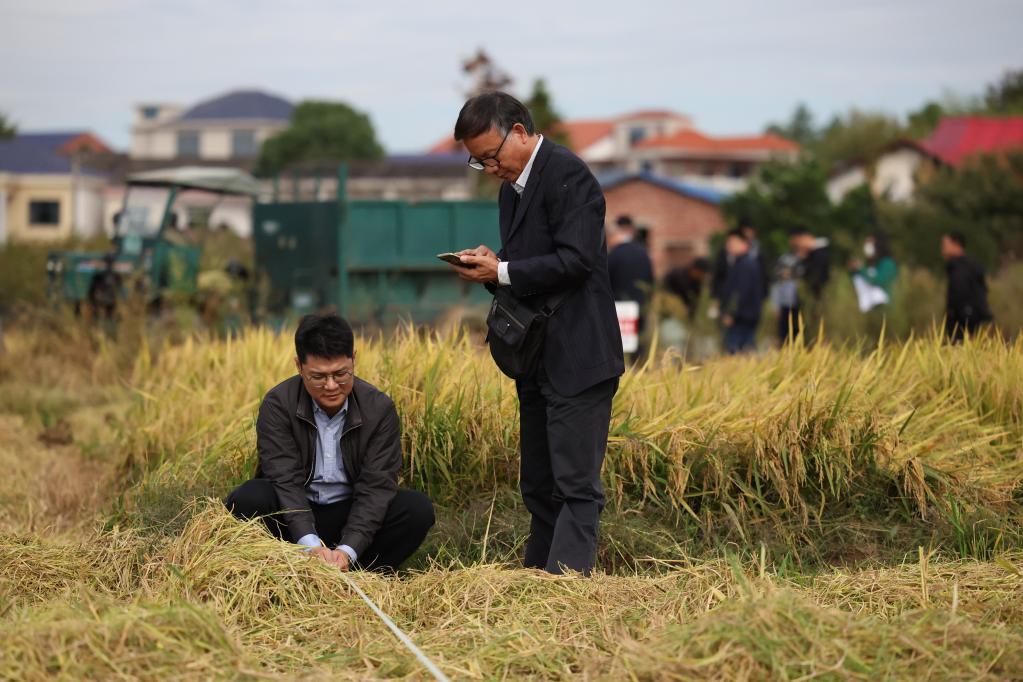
column 334, row 557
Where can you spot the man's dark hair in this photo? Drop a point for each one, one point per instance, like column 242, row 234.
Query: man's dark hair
column 958, row 237
column 325, row 336
column 798, row 231
column 737, row 232
column 491, row 110
column 625, row 221
column 701, row 264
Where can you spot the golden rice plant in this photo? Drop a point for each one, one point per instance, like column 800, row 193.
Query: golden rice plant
column 782, row 436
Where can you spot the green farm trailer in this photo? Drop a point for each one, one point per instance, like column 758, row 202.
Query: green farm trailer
column 146, row 250
column 372, row 261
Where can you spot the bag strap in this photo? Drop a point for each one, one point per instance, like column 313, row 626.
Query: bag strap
column 554, row 302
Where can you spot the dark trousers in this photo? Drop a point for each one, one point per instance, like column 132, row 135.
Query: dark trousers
column 741, row 336
column 563, row 441
column 788, row 324
column 405, row 525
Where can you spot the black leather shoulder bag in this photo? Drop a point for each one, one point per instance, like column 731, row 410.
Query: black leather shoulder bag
column 516, row 331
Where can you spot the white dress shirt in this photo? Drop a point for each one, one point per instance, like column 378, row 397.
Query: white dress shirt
column 519, row 186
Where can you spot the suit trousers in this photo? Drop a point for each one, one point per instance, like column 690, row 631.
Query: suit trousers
column 563, row 442
column 408, row 518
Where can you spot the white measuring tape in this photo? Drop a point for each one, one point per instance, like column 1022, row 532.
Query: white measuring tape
column 402, row 637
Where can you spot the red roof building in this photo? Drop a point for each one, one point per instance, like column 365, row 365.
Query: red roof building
column 959, row 137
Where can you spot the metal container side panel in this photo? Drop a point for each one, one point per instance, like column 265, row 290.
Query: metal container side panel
column 391, row 249
column 296, row 246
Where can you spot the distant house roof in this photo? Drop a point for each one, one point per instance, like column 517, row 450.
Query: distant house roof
column 583, row 133
column 241, row 104
column 47, row 153
column 650, row 113
column 445, row 145
column 692, row 140
column 958, row 137
column 609, row 181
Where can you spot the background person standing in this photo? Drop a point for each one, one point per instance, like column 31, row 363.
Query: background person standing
column 742, row 297
column 966, row 306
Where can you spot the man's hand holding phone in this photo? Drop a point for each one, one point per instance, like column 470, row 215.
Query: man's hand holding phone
column 476, row 265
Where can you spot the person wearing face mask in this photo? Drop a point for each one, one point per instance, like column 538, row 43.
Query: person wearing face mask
column 875, row 274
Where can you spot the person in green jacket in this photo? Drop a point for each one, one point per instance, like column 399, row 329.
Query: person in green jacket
column 873, row 278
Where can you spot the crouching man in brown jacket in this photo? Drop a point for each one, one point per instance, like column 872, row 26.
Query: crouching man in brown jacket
column 329, row 455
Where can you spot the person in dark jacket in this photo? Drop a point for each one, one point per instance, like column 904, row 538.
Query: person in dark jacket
column 329, row 449
column 723, row 263
column 966, row 306
column 814, row 271
column 686, row 282
column 742, row 297
column 628, row 263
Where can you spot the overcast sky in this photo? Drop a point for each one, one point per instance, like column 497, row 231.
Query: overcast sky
column 733, row 66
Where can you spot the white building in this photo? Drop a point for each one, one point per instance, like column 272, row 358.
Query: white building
column 665, row 143
column 230, row 127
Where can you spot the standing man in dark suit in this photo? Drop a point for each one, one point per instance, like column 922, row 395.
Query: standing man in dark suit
column 628, row 266
column 552, row 247
column 966, row 306
column 628, row 263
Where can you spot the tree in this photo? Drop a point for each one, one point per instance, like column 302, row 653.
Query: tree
column 982, row 198
column 799, row 128
column 545, row 117
column 1006, row 96
column 320, row 130
column 857, row 136
column 783, row 195
column 486, row 76
column 7, row 128
column 923, row 121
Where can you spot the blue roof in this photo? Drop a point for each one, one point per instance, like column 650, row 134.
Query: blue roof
column 436, row 159
column 241, row 104
column 37, row 153
column 615, row 178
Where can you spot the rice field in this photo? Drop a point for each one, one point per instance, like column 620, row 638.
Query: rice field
column 828, row 513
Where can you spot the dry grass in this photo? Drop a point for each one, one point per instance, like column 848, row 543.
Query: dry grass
column 802, row 444
column 224, row 599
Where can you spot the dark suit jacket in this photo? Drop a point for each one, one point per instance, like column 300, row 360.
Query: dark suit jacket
column 631, row 272
column 553, row 240
column 370, row 449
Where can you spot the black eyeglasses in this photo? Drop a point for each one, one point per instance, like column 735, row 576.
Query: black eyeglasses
column 319, row 380
column 490, row 161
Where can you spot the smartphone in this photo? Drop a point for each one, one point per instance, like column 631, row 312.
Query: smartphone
column 454, row 259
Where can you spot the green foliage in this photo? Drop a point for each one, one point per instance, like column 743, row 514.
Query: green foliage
column 856, row 136
column 7, row 127
column 545, row 117
column 923, row 121
column 1006, row 96
column 319, row 130
column 800, row 127
column 983, row 198
column 787, row 195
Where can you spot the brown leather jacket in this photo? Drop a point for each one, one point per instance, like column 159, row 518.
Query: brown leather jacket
column 370, row 449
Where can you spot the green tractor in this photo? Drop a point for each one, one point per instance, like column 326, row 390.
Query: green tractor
column 150, row 256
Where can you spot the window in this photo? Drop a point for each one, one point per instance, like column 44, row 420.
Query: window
column 243, row 143
column 737, row 170
column 44, row 213
column 636, row 134
column 149, row 113
column 188, row 143
column 646, row 166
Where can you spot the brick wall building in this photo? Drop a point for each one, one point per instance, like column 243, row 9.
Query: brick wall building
column 679, row 219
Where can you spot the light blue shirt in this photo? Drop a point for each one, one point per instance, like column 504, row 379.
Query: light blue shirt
column 329, row 483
